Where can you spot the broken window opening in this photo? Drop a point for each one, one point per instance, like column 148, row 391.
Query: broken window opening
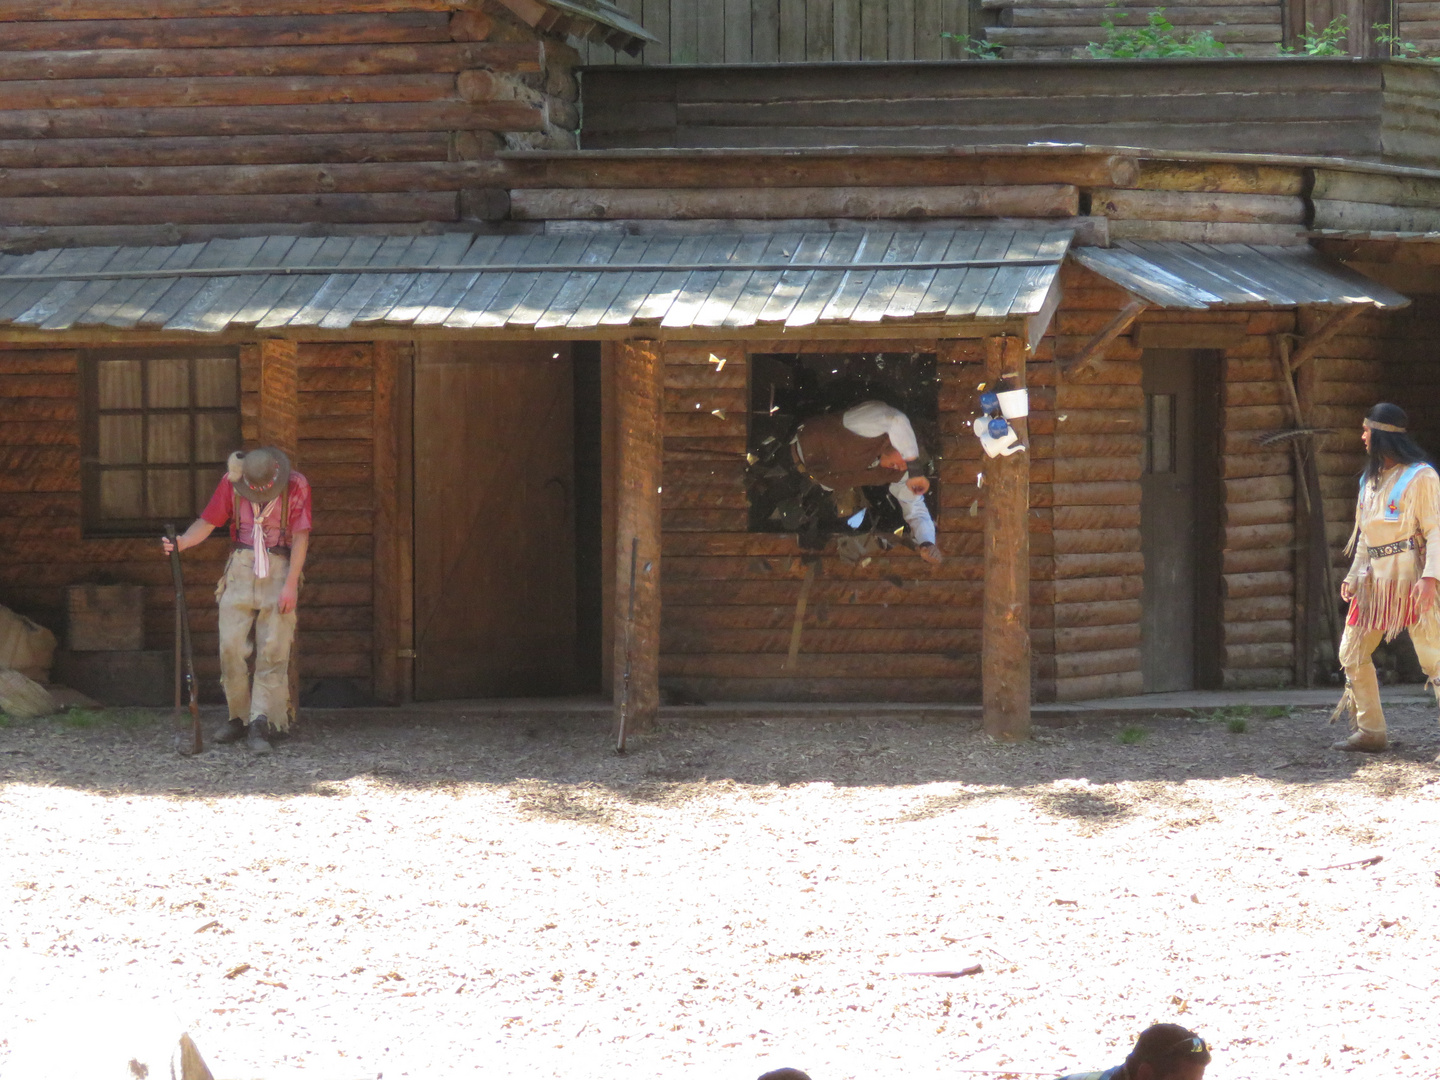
column 787, row 389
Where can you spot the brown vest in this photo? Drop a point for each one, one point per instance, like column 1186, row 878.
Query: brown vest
column 838, row 458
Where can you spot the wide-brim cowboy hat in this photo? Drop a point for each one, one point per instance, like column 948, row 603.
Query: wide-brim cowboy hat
column 259, row 475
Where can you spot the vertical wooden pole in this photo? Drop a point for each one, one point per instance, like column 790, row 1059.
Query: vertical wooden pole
column 385, row 561
column 639, row 393
column 609, row 474
column 1005, row 634
column 280, row 427
column 405, row 521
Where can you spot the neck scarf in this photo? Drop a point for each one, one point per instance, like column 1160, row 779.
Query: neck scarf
column 257, row 539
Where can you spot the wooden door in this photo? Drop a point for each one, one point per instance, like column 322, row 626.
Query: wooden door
column 494, row 520
column 1167, row 522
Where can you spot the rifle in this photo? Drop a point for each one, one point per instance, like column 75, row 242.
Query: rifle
column 183, row 648
column 623, row 714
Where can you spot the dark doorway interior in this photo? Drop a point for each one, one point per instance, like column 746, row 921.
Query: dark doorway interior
column 589, row 522
column 1179, row 521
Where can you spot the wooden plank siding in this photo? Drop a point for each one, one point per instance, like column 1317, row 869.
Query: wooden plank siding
column 352, row 113
column 1317, row 106
column 794, row 31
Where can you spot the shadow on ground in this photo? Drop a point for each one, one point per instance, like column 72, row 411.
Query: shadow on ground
column 555, row 762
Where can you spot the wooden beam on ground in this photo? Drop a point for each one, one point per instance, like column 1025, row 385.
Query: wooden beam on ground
column 639, row 393
column 1087, row 362
column 1332, row 326
column 1005, row 633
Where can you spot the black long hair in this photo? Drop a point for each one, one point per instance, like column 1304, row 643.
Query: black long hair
column 1390, row 447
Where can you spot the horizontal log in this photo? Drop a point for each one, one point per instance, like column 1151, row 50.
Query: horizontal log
column 1082, row 470
column 248, row 91
column 1254, row 393
column 1248, row 465
column 1366, row 216
column 1033, row 200
column 26, row 10
column 269, row 61
column 1083, row 639
column 824, row 615
column 1259, row 536
column 1109, row 661
column 118, row 28
column 41, row 433
column 1206, row 232
column 1277, row 583
column 776, row 641
column 826, row 689
column 1083, row 541
column 1097, row 494
column 1258, row 633
column 270, row 120
column 1200, row 206
column 236, row 209
column 1079, row 35
column 1089, row 590
column 397, row 146
column 1070, row 395
column 1272, row 654
column 835, row 169
column 1258, row 488
column 1092, row 687
column 839, row 665
column 1100, row 422
column 1091, row 19
column 238, row 180
column 1169, row 334
column 1220, row 177
column 348, row 403
column 1096, row 517
column 1258, row 609
column 1268, row 512
column 1096, row 613
column 1257, row 560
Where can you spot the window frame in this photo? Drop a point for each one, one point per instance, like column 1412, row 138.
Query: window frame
column 93, row 525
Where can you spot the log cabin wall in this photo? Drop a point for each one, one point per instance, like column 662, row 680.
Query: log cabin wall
column 43, row 548
column 1050, row 30
column 180, row 124
column 1314, row 106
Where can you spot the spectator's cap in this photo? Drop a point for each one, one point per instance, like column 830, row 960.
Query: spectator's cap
column 1162, row 1045
column 785, row 1074
column 259, row 475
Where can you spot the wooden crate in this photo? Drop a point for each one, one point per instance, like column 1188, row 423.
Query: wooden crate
column 106, row 618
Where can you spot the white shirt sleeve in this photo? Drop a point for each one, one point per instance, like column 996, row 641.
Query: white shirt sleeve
column 917, row 514
column 872, row 418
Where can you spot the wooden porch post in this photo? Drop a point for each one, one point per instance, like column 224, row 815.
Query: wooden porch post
column 280, row 427
column 1005, row 634
column 639, row 396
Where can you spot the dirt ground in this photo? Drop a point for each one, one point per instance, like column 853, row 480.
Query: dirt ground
column 427, row 893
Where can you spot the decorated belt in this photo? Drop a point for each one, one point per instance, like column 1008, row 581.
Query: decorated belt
column 1392, row 549
column 284, row 551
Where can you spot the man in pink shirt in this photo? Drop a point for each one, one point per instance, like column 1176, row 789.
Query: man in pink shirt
column 267, row 506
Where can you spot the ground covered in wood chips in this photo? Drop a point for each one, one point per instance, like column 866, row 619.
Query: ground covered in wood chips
column 435, row 892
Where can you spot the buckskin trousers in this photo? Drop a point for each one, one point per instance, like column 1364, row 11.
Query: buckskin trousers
column 1357, row 647
column 250, row 609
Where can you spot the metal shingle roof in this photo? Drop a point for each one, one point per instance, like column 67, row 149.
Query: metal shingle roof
column 1172, row 274
column 537, row 280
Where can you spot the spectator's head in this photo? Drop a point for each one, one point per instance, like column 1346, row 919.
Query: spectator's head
column 785, row 1074
column 1167, row 1052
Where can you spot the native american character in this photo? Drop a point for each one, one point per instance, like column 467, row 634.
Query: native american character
column 1392, row 580
column 267, row 506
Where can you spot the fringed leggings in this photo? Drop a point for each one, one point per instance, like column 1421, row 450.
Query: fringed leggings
column 1362, row 687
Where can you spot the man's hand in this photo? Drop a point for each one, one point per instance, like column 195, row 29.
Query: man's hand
column 1423, row 594
column 1347, row 591
column 289, row 597
column 168, row 545
column 931, row 554
column 918, row 484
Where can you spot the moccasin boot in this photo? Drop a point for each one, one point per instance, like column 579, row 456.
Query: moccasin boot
column 232, row 731
column 1362, row 742
column 257, row 738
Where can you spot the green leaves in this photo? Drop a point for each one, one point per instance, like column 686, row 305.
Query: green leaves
column 1158, row 39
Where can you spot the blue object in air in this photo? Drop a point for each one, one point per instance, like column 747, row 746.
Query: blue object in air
column 998, row 427
column 989, row 402
column 855, row 519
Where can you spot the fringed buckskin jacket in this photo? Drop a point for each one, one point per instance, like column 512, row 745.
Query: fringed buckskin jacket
column 1396, row 542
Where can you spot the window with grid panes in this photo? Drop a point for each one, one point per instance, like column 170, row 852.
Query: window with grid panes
column 159, row 425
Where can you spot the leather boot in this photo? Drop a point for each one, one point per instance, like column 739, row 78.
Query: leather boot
column 257, row 739
column 232, row 731
column 1363, row 742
